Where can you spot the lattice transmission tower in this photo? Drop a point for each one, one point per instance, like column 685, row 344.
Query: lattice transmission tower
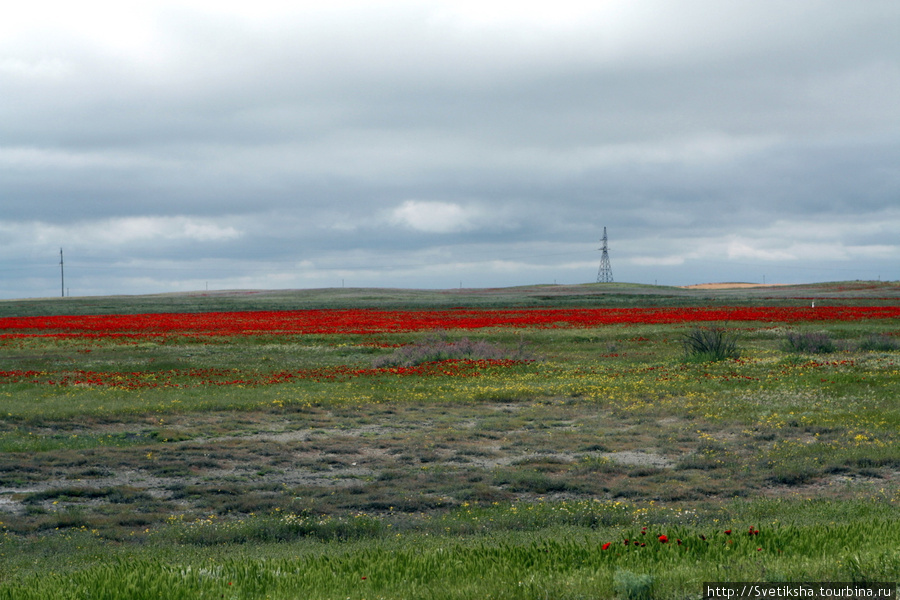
column 604, row 274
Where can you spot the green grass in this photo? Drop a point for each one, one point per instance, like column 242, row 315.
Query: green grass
column 23, row 440
column 501, row 485
column 557, row 560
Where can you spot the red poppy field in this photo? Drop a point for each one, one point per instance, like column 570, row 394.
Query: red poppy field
column 342, row 322
column 447, row 453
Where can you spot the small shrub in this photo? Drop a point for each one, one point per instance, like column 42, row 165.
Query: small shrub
column 600, row 464
column 68, row 494
column 644, row 471
column 533, row 482
column 482, row 492
column 631, row 586
column 699, row 462
column 809, row 343
column 713, row 344
column 793, row 475
column 436, row 347
column 879, row 343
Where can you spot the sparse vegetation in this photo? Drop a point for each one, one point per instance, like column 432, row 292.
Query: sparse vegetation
column 436, row 347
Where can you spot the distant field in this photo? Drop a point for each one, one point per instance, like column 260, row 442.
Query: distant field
column 535, row 442
column 588, row 295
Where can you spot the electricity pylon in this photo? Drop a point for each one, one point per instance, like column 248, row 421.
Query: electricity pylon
column 62, row 275
column 604, row 274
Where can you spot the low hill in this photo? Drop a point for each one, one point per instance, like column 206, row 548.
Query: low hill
column 583, row 295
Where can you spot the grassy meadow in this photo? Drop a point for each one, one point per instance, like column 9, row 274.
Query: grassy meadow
column 527, row 462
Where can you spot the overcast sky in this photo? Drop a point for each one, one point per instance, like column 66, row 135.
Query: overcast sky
column 174, row 146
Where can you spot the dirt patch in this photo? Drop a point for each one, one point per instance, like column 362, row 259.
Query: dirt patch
column 644, row 459
column 729, row 286
column 253, row 462
column 386, row 459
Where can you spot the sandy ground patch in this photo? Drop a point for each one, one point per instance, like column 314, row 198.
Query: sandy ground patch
column 728, row 286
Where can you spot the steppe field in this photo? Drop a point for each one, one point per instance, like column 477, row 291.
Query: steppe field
column 543, row 442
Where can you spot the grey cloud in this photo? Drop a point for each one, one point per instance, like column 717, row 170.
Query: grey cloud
column 415, row 141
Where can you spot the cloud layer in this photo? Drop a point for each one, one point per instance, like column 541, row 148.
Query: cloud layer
column 172, row 145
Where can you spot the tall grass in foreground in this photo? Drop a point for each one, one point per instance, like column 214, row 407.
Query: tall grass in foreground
column 643, row 552
column 669, row 562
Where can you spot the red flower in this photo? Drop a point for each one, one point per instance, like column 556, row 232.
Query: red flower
column 679, row 542
column 368, row 321
column 363, row 576
column 727, row 532
column 605, row 546
column 663, row 539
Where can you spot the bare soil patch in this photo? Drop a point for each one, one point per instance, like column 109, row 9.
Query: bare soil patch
column 729, row 286
column 397, row 459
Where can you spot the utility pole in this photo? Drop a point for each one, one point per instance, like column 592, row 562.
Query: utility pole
column 604, row 274
column 62, row 275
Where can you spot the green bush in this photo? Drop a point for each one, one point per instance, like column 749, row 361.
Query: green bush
column 879, row 343
column 710, row 344
column 809, row 343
